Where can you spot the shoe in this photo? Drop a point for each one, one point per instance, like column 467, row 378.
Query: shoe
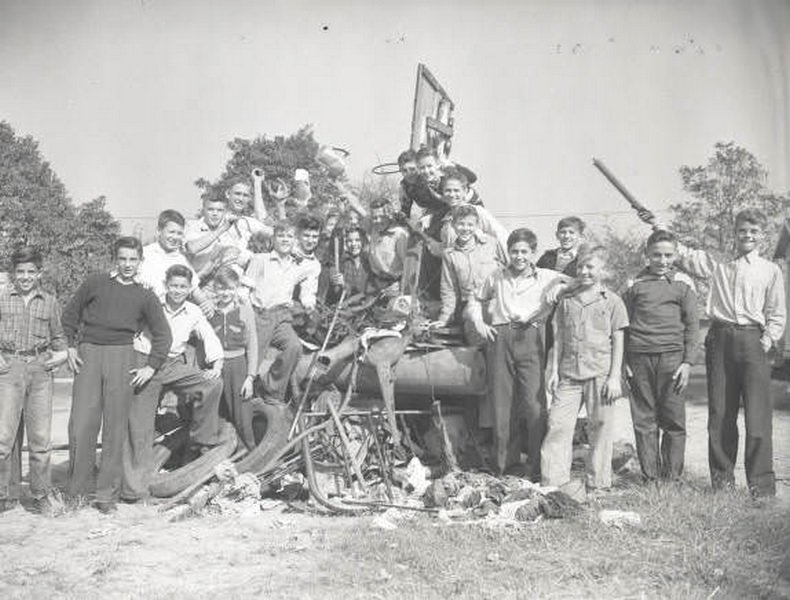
column 41, row 506
column 105, row 508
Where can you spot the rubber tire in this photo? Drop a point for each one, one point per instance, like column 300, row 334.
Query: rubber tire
column 278, row 425
column 169, row 483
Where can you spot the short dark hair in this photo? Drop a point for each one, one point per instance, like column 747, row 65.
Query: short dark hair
column 751, row 215
column 661, row 235
column 522, row 234
column 363, row 235
column 406, row 156
column 308, row 222
column 178, row 271
column 26, row 254
column 127, row 241
column 454, row 175
column 465, row 210
column 215, row 198
column 379, row 203
column 170, row 216
column 425, row 152
column 226, row 276
column 574, row 222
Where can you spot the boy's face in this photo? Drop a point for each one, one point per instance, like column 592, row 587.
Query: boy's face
column 353, row 244
column 660, row 257
column 590, row 271
column 379, row 218
column 521, row 256
column 177, row 289
column 284, row 241
column 453, row 192
column 213, row 212
column 225, row 294
column 568, row 237
column 747, row 236
column 171, row 236
column 330, row 224
column 465, row 228
column 429, row 169
column 308, row 240
column 126, row 263
column 26, row 277
column 239, row 197
column 409, row 171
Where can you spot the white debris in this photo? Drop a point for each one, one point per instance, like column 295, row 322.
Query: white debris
column 620, row 518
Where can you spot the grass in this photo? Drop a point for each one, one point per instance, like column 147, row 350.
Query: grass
column 693, row 544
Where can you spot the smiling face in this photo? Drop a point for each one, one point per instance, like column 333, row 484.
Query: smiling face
column 170, row 237
column 465, row 228
column 590, row 271
column 224, row 294
column 568, row 237
column 213, row 212
column 409, row 171
column 748, row 236
column 660, row 257
column 308, row 240
column 239, row 197
column 284, row 240
column 454, row 192
column 521, row 256
column 429, row 170
column 379, row 218
column 177, row 289
column 26, row 277
column 126, row 263
column 353, row 244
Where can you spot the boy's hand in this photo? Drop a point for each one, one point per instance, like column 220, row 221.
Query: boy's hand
column 337, row 279
column 766, row 343
column 58, row 358
column 555, row 292
column 258, row 176
column 215, row 372
column 435, row 248
column 681, row 378
column 486, row 331
column 207, row 306
column 552, row 379
column 612, row 390
column 141, row 376
column 646, row 216
column 74, row 360
column 247, row 388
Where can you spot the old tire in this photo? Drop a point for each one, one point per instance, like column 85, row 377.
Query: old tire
column 278, row 423
column 169, row 483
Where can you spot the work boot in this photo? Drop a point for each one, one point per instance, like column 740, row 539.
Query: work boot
column 105, row 508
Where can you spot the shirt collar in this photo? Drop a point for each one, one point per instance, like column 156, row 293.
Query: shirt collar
column 750, row 256
column 114, row 275
column 646, row 275
column 532, row 275
column 171, row 312
column 37, row 292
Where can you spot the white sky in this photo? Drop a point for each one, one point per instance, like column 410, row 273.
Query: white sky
column 135, row 99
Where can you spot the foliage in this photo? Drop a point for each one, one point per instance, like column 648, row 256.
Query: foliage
column 36, row 210
column 732, row 180
column 626, row 255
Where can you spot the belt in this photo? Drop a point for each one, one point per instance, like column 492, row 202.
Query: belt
column 37, row 351
column 520, row 324
column 274, row 308
column 728, row 325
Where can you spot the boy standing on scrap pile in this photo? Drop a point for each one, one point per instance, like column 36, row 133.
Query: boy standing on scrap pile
column 32, row 346
column 660, row 343
column 746, row 305
column 585, row 366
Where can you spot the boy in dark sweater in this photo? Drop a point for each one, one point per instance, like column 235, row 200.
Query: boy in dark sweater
column 103, row 317
column 662, row 310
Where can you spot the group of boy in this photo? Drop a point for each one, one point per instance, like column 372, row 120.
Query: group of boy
column 554, row 336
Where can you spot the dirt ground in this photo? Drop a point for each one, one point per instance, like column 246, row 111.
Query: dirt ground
column 273, row 553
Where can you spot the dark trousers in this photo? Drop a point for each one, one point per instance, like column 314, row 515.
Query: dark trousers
column 185, row 380
column 515, row 361
column 101, row 398
column 238, row 411
column 738, row 370
column 274, row 329
column 658, row 413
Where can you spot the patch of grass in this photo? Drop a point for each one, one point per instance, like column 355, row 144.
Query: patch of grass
column 693, row 544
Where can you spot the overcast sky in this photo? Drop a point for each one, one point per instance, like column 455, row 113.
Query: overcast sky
column 135, row 99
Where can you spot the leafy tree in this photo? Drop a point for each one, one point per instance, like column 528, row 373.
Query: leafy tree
column 732, row 180
column 35, row 209
column 626, row 255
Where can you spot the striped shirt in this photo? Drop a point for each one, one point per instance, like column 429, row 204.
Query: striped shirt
column 32, row 327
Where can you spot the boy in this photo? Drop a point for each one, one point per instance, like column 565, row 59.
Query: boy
column 410, row 176
column 234, row 324
column 514, row 356
column 570, row 235
column 659, row 346
column 105, row 314
column 308, row 231
column 202, row 387
column 32, row 346
column 354, row 274
column 388, row 245
column 584, row 367
column 746, row 305
column 274, row 276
